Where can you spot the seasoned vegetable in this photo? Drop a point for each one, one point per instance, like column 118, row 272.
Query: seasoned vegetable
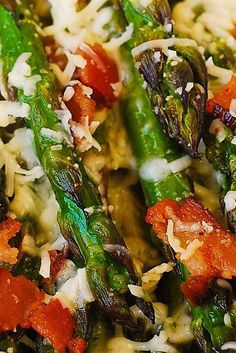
column 175, row 78
column 74, row 191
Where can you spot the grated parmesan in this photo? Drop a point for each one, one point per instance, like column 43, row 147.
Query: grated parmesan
column 115, row 43
column 44, row 270
column 230, row 201
column 229, row 345
column 20, row 76
column 159, row 168
column 191, row 249
column 163, row 44
column 11, row 110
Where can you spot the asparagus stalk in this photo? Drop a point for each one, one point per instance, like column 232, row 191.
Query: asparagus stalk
column 150, row 142
column 108, row 277
column 220, row 153
column 175, row 79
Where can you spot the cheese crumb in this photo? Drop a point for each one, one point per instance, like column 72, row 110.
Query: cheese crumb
column 11, row 110
column 179, row 90
column 189, row 86
column 68, row 94
column 230, row 201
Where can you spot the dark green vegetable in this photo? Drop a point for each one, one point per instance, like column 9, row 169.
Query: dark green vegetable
column 149, row 142
column 176, row 79
column 72, row 187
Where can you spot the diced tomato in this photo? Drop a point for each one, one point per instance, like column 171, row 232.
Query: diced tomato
column 223, row 97
column 55, row 323
column 19, row 297
column 8, row 230
column 57, row 261
column 215, row 257
column 81, row 106
column 195, row 287
column 77, row 345
column 99, row 73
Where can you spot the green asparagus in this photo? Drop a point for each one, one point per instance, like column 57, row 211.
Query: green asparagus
column 108, row 277
column 175, row 79
column 208, row 319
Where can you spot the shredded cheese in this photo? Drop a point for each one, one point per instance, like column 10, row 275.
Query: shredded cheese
column 11, row 110
column 44, row 270
column 191, row 249
column 223, row 75
column 84, row 131
column 20, row 76
column 159, row 168
column 115, row 43
column 230, row 201
column 137, row 291
column 173, row 241
column 163, row 44
column 229, row 345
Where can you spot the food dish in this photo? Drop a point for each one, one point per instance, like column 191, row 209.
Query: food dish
column 113, row 114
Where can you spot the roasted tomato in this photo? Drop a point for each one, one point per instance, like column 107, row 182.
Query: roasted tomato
column 8, row 230
column 200, row 242
column 55, row 323
column 81, row 106
column 77, row 345
column 99, row 73
column 19, row 297
column 223, row 97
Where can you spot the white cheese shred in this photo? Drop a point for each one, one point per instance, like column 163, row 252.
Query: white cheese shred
column 21, row 77
column 44, row 270
column 163, row 44
column 229, row 345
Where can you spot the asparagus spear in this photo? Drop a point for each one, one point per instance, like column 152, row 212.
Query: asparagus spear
column 221, row 153
column 108, row 277
column 175, row 79
column 208, row 319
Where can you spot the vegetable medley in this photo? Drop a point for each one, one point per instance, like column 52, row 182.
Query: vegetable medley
column 117, row 176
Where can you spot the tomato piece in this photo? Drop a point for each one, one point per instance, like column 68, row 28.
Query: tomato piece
column 77, row 345
column 55, row 323
column 195, row 287
column 99, row 73
column 192, row 211
column 19, row 297
column 8, row 229
column 223, row 97
column 214, row 254
column 158, row 214
column 81, row 106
